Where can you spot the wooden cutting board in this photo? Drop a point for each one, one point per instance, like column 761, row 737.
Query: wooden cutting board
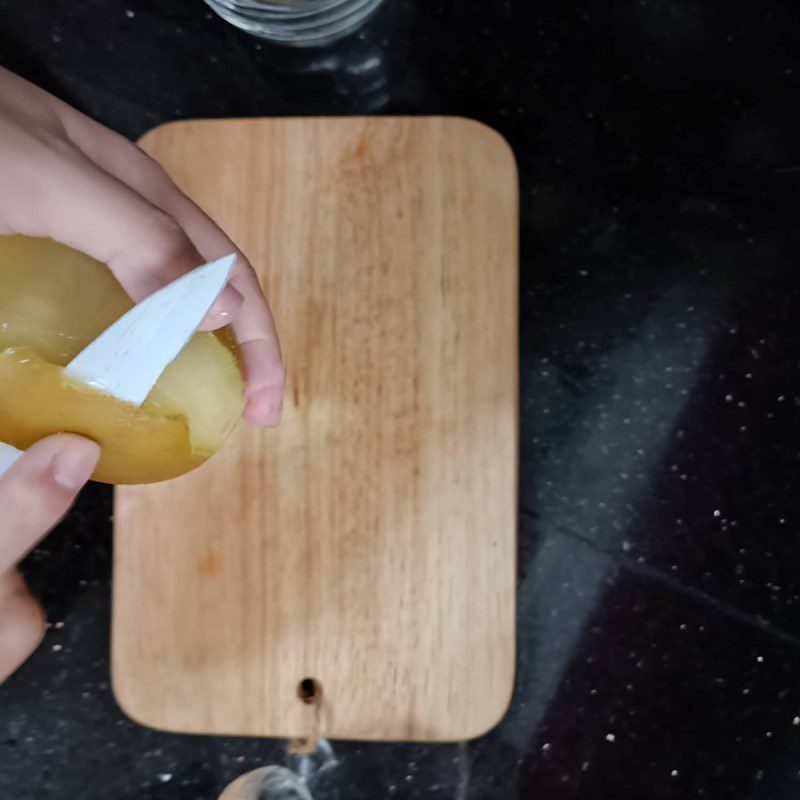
column 352, row 574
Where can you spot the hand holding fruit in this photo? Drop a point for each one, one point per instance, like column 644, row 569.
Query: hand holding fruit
column 70, row 179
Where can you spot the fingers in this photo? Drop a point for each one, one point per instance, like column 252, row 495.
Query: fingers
column 260, row 351
column 265, row 384
column 50, row 188
column 38, row 490
column 22, row 623
column 253, row 323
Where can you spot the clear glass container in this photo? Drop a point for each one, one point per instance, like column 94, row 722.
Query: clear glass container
column 296, row 22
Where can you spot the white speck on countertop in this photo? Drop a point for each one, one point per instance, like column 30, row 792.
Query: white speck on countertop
column 717, row 512
column 546, row 746
column 760, row 659
column 610, row 737
column 130, row 14
column 796, row 721
column 165, row 777
column 57, row 648
column 674, row 773
column 58, row 626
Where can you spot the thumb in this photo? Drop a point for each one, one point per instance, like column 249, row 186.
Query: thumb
column 38, row 490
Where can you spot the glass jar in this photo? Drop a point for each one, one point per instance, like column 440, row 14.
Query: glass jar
column 296, row 22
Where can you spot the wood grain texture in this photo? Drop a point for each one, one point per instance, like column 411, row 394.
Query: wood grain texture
column 370, row 542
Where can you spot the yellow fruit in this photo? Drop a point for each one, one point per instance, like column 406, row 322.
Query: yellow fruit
column 53, row 302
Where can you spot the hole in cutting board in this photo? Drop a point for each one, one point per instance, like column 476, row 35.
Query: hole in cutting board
column 309, row 691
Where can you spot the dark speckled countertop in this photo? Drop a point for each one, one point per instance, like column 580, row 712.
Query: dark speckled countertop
column 659, row 149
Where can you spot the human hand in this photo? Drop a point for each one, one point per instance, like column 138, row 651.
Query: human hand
column 71, row 179
column 35, row 493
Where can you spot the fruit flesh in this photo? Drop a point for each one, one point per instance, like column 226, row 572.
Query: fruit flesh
column 53, row 302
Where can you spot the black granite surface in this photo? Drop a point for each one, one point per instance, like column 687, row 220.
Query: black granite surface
column 659, row 150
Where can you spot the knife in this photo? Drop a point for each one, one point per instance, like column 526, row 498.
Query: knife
column 8, row 455
column 127, row 359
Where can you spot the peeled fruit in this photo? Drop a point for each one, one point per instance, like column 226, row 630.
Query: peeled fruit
column 54, row 301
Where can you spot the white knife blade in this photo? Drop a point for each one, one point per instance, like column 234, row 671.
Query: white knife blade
column 128, row 358
column 8, row 455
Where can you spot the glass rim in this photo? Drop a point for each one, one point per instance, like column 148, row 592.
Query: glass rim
column 290, row 8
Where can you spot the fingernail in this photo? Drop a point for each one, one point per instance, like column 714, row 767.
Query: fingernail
column 229, row 302
column 224, row 310
column 74, row 465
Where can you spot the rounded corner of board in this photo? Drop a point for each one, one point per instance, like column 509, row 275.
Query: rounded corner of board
column 482, row 727
column 490, row 135
column 146, row 140
column 127, row 705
